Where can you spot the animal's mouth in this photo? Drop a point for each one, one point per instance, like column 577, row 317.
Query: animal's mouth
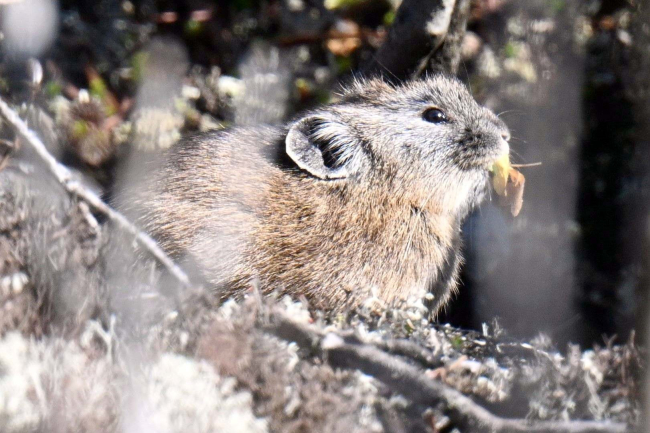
column 501, row 152
column 481, row 156
column 490, row 155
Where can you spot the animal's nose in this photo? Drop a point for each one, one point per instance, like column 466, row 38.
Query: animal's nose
column 504, row 147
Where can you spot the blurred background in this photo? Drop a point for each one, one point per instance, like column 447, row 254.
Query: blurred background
column 109, row 84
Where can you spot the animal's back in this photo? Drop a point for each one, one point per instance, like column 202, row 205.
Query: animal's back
column 204, row 201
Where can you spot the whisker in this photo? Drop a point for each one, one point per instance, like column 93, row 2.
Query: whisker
column 517, row 154
column 521, row 140
column 515, row 111
column 490, row 191
column 469, row 84
column 391, row 74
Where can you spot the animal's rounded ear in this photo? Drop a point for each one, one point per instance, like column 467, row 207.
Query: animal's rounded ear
column 322, row 146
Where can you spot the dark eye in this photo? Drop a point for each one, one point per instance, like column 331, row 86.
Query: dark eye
column 434, row 115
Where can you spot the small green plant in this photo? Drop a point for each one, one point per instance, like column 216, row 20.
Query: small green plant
column 511, row 50
column 138, row 65
column 389, row 18
column 193, row 28
column 457, row 342
column 98, row 88
column 557, row 5
column 80, row 129
column 53, row 89
column 337, row 4
column 343, row 64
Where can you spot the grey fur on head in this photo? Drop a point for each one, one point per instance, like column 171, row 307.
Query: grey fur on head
column 378, row 130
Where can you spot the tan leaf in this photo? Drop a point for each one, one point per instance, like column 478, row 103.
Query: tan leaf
column 515, row 191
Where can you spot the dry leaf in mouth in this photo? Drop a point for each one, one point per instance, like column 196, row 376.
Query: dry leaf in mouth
column 500, row 170
column 514, row 196
column 509, row 184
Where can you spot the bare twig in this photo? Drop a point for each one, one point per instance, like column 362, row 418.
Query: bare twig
column 65, row 178
column 404, row 348
column 412, row 382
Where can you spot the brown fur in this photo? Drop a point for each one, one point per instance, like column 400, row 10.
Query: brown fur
column 239, row 206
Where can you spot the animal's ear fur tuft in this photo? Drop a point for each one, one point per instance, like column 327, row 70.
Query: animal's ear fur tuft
column 322, row 146
column 367, row 88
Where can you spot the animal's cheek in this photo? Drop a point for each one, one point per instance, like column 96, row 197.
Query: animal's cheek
column 466, row 155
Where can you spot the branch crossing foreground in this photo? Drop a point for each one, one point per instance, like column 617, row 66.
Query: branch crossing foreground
column 384, row 361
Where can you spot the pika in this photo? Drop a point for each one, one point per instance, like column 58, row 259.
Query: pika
column 361, row 199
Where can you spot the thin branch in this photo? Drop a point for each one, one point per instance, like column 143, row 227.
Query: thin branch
column 412, row 382
column 65, row 178
column 404, row 348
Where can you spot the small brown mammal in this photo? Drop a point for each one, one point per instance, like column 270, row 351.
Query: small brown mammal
column 362, row 198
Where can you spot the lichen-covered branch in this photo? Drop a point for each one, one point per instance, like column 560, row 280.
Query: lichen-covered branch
column 412, row 382
column 447, row 57
column 67, row 180
column 425, row 35
column 409, row 39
